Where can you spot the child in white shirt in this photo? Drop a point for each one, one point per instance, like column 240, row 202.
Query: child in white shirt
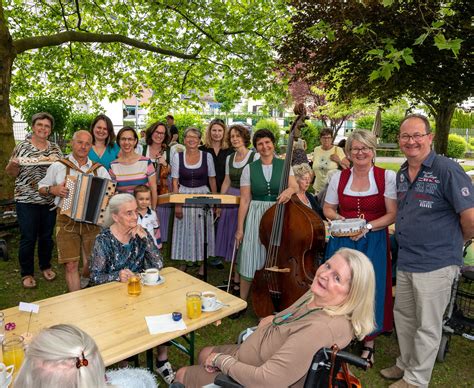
column 146, row 216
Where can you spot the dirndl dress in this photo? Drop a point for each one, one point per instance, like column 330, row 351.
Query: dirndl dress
column 375, row 245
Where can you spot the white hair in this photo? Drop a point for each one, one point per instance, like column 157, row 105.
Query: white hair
column 51, row 360
column 114, row 206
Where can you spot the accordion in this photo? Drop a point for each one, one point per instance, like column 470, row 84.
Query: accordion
column 88, row 198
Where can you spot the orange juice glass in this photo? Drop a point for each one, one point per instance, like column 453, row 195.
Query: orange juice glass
column 193, row 304
column 13, row 351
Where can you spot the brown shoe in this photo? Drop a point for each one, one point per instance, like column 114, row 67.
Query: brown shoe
column 402, row 384
column 392, row 373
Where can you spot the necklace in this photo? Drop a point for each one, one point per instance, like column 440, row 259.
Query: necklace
column 284, row 319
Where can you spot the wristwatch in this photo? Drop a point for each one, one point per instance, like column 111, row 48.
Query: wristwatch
column 47, row 189
column 369, row 227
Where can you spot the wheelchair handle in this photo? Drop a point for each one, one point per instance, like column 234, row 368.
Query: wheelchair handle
column 349, row 358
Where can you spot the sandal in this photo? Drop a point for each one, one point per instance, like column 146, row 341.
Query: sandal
column 28, row 281
column 370, row 357
column 49, row 274
column 166, row 372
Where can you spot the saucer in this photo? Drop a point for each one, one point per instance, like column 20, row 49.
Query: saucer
column 217, row 307
column 161, row 280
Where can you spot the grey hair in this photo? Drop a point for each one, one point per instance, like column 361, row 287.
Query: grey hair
column 82, row 131
column 114, row 206
column 194, row 130
column 42, row 116
column 365, row 137
column 302, row 169
column 359, row 305
column 50, row 360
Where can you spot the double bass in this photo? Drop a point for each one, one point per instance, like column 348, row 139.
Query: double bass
column 294, row 238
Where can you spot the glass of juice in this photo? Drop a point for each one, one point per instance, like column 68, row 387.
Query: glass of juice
column 134, row 285
column 193, row 304
column 13, row 351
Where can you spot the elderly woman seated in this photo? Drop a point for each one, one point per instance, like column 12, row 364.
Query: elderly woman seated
column 122, row 249
column 66, row 356
column 338, row 306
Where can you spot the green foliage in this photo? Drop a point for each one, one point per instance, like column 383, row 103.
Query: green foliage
column 270, row 124
column 58, row 107
column 310, row 134
column 228, row 94
column 182, row 121
column 78, row 121
column 462, row 119
column 390, row 125
column 457, row 146
column 371, row 56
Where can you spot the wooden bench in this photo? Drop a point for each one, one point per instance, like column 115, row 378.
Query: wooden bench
column 388, row 147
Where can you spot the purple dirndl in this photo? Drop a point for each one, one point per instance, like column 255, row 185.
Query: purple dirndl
column 225, row 235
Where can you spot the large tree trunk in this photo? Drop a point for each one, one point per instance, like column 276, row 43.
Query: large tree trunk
column 443, row 115
column 7, row 141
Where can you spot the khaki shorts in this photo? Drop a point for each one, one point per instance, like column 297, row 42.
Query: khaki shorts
column 73, row 237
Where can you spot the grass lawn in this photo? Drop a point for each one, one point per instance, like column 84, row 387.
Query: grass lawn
column 457, row 370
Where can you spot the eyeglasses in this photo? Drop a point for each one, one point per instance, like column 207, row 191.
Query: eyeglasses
column 129, row 139
column 160, row 133
column 364, row 150
column 415, row 137
column 326, row 137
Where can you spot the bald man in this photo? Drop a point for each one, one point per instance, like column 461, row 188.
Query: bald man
column 73, row 238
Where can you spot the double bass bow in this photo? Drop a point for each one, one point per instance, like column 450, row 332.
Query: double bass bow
column 294, row 238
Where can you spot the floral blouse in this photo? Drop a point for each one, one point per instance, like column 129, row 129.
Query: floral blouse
column 110, row 256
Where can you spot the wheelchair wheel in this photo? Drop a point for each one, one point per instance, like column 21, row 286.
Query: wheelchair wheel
column 443, row 348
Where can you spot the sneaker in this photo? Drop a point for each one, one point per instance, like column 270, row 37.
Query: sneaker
column 392, row 373
column 166, row 372
column 84, row 282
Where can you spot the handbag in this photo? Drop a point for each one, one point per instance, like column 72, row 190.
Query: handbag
column 343, row 378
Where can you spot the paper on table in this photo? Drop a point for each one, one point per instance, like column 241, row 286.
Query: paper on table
column 164, row 324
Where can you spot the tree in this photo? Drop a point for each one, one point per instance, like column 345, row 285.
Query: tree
column 386, row 49
column 323, row 107
column 86, row 50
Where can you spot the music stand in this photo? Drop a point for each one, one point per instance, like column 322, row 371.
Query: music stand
column 205, row 204
column 203, row 200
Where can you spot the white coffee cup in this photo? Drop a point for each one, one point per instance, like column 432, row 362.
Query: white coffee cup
column 208, row 300
column 151, row 275
column 6, row 373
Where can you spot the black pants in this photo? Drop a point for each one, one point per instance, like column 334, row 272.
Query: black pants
column 36, row 224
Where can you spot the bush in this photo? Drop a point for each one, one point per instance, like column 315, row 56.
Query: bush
column 390, row 126
column 78, row 121
column 272, row 125
column 457, row 146
column 310, row 134
column 55, row 106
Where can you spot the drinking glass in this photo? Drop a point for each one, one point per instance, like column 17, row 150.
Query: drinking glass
column 13, row 351
column 134, row 285
column 193, row 304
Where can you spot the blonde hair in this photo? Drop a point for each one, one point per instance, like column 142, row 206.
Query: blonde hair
column 365, row 137
column 359, row 305
column 50, row 361
column 302, row 169
column 207, row 137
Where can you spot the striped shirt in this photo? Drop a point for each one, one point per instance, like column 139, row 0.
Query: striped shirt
column 26, row 183
column 128, row 176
